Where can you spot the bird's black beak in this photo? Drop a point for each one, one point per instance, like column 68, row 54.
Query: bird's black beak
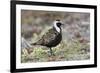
column 62, row 25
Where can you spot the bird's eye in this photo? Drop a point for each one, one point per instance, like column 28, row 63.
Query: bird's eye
column 58, row 24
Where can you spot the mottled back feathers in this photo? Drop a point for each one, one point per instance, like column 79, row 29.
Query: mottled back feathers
column 50, row 39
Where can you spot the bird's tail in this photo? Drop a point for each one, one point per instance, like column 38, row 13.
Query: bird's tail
column 34, row 44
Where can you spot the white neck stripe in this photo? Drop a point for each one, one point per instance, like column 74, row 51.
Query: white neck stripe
column 57, row 28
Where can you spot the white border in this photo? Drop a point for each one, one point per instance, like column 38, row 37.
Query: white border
column 20, row 65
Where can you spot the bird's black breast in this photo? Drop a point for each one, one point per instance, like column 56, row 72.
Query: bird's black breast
column 55, row 42
column 54, row 38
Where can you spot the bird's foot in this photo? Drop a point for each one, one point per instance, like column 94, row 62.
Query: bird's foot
column 51, row 54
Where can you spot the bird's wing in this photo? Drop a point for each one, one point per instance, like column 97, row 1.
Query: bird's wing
column 48, row 37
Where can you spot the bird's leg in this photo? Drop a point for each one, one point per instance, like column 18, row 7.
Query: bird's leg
column 51, row 52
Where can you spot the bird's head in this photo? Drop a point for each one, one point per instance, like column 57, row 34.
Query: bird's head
column 57, row 25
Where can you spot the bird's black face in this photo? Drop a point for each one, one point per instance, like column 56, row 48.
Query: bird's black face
column 59, row 24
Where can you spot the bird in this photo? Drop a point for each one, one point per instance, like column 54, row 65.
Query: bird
column 52, row 37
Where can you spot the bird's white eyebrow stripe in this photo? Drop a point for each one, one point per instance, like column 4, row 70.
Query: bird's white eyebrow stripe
column 56, row 27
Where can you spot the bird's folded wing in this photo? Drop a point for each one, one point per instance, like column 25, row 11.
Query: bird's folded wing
column 48, row 37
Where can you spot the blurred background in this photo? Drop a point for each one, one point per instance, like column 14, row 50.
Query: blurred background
column 76, row 35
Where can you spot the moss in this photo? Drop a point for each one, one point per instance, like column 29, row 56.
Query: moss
column 65, row 51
